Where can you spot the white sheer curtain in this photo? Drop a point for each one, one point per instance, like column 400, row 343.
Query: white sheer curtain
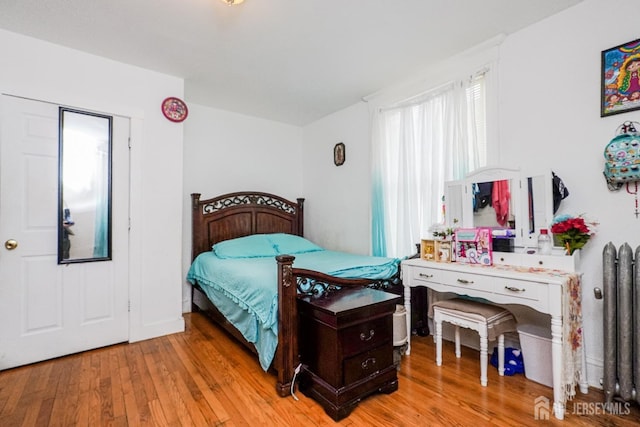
column 419, row 144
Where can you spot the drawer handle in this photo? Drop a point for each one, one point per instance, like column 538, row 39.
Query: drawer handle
column 426, row 276
column 370, row 361
column 363, row 337
column 465, row 281
column 514, row 289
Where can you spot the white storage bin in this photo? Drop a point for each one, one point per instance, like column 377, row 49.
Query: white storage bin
column 535, row 342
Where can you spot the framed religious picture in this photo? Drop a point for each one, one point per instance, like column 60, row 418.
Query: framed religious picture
column 620, row 91
column 338, row 154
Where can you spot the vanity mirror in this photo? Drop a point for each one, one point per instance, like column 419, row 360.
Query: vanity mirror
column 515, row 203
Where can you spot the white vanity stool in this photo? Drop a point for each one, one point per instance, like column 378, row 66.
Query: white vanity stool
column 490, row 321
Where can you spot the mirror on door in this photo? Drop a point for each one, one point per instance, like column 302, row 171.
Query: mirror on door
column 84, row 189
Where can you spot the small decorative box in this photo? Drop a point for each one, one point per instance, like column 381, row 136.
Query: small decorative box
column 428, row 249
column 473, row 246
column 444, row 250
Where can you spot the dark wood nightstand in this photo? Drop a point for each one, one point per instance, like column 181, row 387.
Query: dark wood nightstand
column 346, row 347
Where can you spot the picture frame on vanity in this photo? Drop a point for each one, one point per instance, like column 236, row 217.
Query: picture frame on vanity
column 444, row 250
column 339, row 154
column 620, row 87
column 428, row 249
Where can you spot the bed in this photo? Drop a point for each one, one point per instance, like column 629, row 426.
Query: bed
column 261, row 235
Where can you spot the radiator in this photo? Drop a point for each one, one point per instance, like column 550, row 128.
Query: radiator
column 621, row 279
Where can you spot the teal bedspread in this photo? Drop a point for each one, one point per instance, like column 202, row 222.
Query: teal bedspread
column 245, row 289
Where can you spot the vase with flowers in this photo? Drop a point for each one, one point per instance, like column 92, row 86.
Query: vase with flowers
column 441, row 232
column 573, row 231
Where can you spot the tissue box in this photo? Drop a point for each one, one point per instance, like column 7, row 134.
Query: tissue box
column 474, row 246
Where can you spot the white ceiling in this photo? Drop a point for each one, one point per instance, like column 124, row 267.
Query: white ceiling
column 292, row 61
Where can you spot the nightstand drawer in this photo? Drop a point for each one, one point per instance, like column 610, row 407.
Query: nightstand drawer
column 366, row 335
column 367, row 363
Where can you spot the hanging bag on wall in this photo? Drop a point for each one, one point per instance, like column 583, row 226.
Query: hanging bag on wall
column 622, row 156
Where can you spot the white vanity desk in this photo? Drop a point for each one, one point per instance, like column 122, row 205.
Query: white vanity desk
column 529, row 284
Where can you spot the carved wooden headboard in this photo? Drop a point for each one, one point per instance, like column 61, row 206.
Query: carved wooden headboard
column 241, row 214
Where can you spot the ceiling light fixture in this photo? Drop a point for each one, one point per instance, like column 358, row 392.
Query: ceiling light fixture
column 232, row 2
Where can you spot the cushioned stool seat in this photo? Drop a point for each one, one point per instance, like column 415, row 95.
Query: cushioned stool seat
column 490, row 321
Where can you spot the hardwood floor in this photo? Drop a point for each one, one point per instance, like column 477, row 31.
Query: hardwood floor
column 203, row 378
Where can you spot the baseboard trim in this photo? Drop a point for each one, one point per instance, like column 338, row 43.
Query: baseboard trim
column 157, row 329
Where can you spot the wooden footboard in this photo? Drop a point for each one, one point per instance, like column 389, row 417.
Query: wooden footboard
column 287, row 354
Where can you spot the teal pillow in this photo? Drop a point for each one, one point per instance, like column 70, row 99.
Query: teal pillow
column 290, row 244
column 254, row 246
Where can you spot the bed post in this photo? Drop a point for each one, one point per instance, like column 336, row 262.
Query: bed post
column 196, row 225
column 300, row 217
column 287, row 356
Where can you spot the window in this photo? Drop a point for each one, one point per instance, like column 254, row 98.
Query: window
column 476, row 96
column 418, row 145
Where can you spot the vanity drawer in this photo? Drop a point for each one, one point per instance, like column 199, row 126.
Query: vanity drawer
column 430, row 275
column 514, row 288
column 460, row 282
column 455, row 281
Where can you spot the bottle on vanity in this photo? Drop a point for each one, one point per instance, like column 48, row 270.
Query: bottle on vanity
column 544, row 242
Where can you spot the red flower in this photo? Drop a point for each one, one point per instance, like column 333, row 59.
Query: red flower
column 576, row 224
column 573, row 232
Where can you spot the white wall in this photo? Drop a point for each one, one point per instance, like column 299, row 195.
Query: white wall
column 227, row 152
column 338, row 197
column 548, row 117
column 43, row 71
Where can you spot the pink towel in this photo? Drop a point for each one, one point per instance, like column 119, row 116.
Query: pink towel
column 500, row 199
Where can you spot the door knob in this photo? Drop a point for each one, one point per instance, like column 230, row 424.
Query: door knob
column 11, row 244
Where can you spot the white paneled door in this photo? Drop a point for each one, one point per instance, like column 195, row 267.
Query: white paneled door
column 49, row 310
